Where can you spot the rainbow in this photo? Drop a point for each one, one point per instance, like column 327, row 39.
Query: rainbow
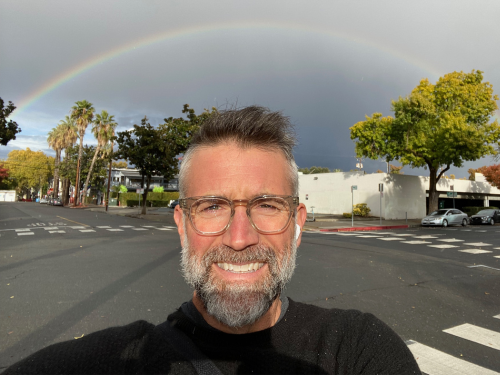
column 88, row 64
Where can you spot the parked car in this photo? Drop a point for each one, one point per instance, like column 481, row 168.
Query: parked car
column 43, row 200
column 486, row 217
column 445, row 217
column 57, row 202
column 174, row 203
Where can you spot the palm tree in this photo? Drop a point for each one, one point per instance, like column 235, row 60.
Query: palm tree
column 83, row 113
column 103, row 129
column 55, row 142
column 69, row 134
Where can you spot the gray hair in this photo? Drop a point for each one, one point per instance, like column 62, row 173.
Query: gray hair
column 248, row 127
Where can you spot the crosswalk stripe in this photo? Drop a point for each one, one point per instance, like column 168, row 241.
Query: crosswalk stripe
column 78, row 227
column 22, row 230
column 51, row 228
column 475, row 251
column 167, row 226
column 434, row 362
column 115, row 230
column 126, row 226
column 56, row 231
column 103, row 227
column 25, row 233
column 139, row 229
column 451, row 240
column 426, row 236
column 477, row 244
column 87, row 230
column 369, row 236
column 403, row 235
column 496, row 256
column 497, row 316
column 476, row 334
column 443, row 246
column 163, row 228
column 415, row 242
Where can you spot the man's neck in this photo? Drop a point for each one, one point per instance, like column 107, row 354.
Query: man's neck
column 268, row 320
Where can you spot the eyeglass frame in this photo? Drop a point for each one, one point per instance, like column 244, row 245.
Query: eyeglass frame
column 292, row 201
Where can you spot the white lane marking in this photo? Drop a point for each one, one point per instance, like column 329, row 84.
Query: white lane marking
column 87, row 230
column 443, row 246
column 167, row 226
column 451, row 240
column 369, row 236
column 450, row 229
column 478, row 244
column 126, row 226
column 346, row 234
column 434, row 362
column 78, row 227
column 496, row 248
column 163, row 228
column 115, row 230
column 482, row 265
column 426, row 236
column 465, row 230
column 497, row 316
column 476, row 334
column 139, row 229
column 404, row 235
column 25, row 233
column 415, row 242
column 475, row 251
column 22, row 230
column 481, row 231
column 51, row 228
column 496, row 256
column 383, row 232
column 148, row 226
column 56, row 231
column 103, row 227
column 390, row 239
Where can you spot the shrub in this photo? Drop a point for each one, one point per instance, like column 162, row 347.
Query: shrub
column 154, row 199
column 361, row 209
column 347, row 215
column 158, row 189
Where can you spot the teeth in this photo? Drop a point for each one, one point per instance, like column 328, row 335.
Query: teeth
column 243, row 268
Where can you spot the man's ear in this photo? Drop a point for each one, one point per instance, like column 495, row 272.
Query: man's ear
column 301, row 220
column 179, row 221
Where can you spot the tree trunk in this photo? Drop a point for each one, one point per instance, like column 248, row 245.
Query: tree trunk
column 433, row 194
column 145, row 195
column 80, row 153
column 66, row 190
column 90, row 172
column 56, row 173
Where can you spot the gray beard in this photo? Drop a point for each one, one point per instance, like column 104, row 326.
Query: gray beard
column 238, row 304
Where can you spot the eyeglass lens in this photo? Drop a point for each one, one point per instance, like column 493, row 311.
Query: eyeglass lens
column 211, row 215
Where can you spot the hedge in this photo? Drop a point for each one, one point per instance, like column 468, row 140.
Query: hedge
column 154, row 199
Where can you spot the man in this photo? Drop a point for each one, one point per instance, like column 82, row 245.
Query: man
column 239, row 221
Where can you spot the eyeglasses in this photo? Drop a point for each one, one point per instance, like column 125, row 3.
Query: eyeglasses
column 213, row 215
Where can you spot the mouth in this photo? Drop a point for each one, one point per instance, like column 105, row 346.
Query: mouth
column 241, row 268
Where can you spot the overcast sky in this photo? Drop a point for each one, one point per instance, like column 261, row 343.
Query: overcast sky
column 325, row 64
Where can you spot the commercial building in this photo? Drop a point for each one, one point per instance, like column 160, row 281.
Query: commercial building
column 131, row 178
column 403, row 195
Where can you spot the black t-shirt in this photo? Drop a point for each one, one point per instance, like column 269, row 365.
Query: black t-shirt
column 307, row 339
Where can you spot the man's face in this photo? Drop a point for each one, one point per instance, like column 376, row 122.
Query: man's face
column 237, row 298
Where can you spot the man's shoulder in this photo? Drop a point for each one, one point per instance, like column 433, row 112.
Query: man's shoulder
column 111, row 350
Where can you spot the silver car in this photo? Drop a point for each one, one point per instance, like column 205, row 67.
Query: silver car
column 446, row 217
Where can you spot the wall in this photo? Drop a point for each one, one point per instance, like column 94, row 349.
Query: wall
column 330, row 193
column 8, row 196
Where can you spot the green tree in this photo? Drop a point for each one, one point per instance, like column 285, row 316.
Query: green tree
column 154, row 151
column 435, row 126
column 314, row 170
column 120, row 164
column 29, row 169
column 55, row 141
column 156, row 189
column 83, row 114
column 69, row 135
column 8, row 129
column 104, row 130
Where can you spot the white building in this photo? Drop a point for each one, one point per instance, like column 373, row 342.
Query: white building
column 403, row 195
column 131, row 178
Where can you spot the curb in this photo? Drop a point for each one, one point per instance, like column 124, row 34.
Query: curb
column 355, row 229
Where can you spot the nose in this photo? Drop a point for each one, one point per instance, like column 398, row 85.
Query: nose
column 240, row 234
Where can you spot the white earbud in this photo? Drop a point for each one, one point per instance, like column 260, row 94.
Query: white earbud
column 297, row 231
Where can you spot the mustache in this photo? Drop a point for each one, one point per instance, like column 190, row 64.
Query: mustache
column 224, row 254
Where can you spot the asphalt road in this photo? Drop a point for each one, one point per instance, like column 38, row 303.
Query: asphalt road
column 109, row 270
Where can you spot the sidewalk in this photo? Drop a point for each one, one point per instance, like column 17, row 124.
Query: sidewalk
column 336, row 223
column 163, row 215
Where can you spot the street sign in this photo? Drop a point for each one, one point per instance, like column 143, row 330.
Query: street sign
column 381, row 187
column 451, row 194
column 452, row 187
column 307, row 197
column 140, row 191
column 354, row 187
